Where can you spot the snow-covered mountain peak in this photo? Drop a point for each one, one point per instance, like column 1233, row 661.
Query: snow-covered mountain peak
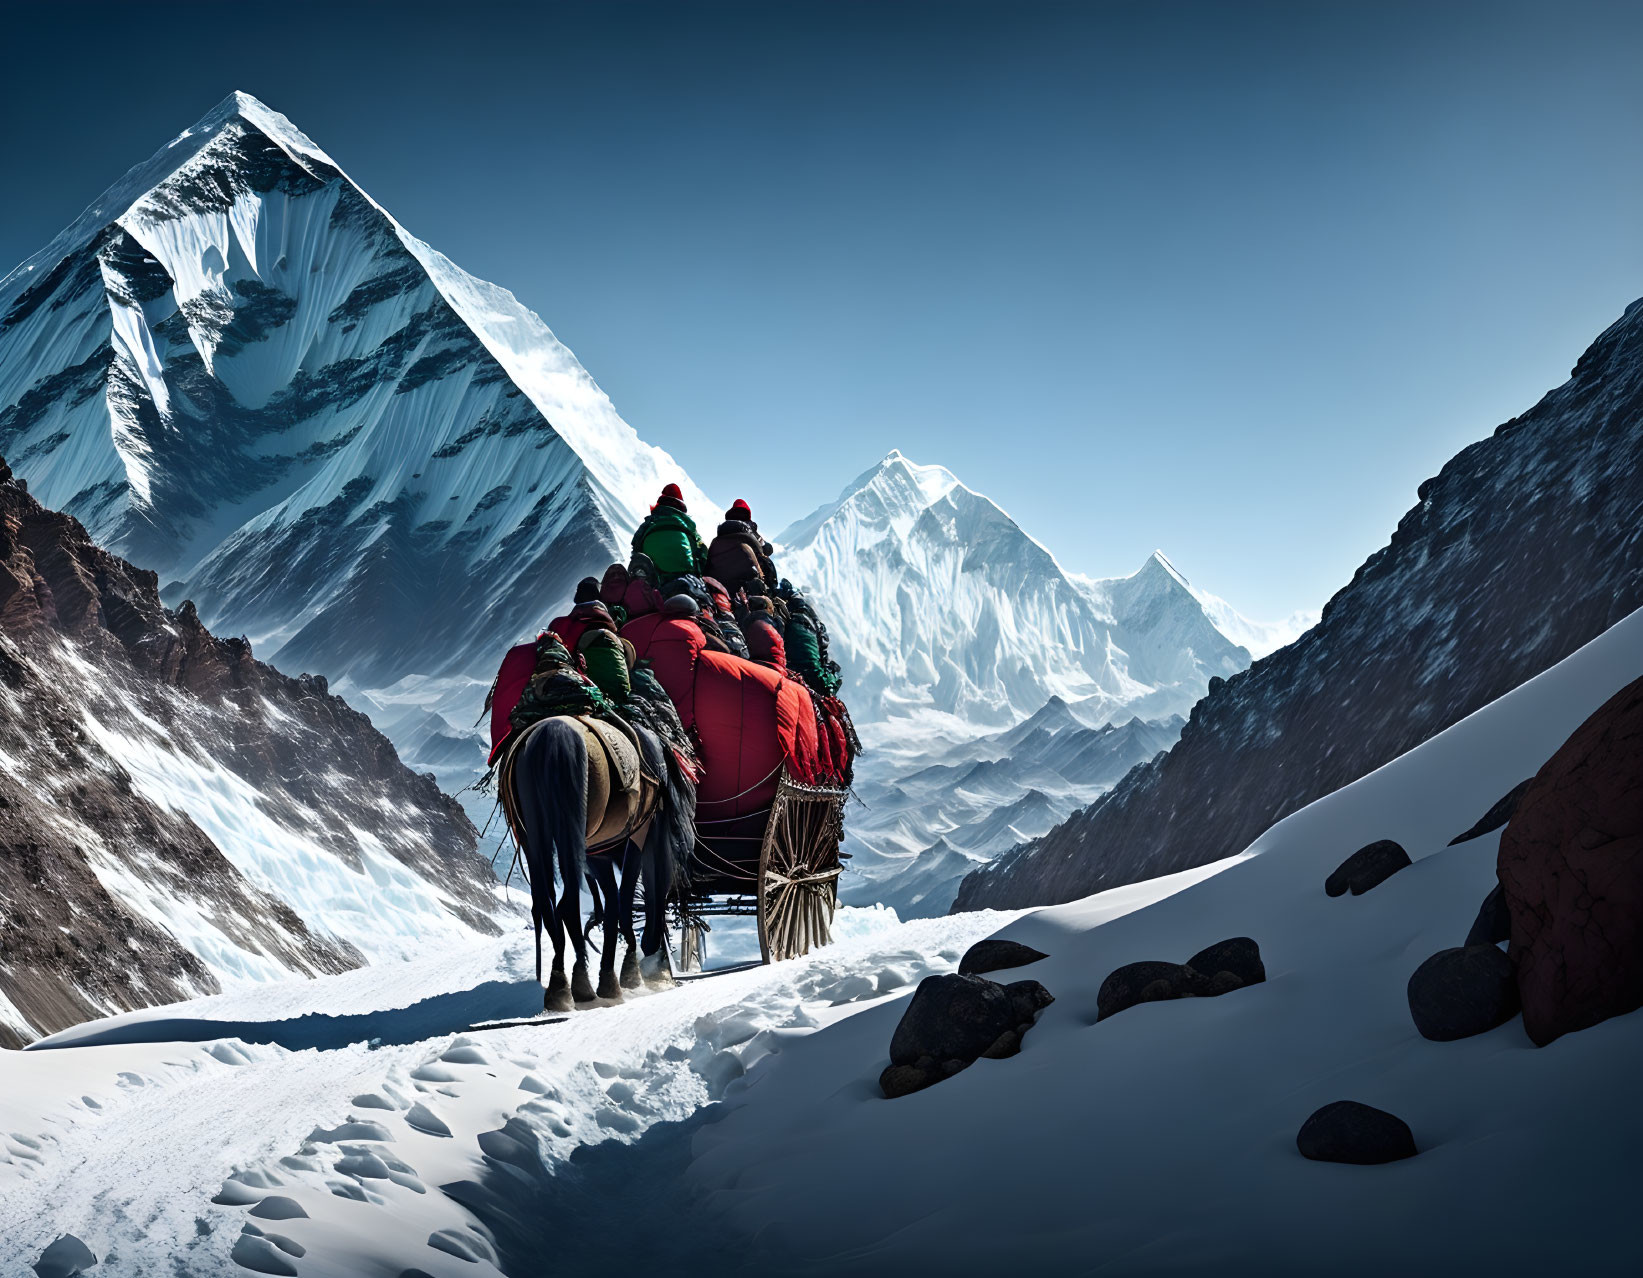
column 884, row 498
column 240, row 370
column 938, row 600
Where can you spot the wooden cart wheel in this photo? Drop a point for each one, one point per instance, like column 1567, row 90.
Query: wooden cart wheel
column 692, row 946
column 799, row 871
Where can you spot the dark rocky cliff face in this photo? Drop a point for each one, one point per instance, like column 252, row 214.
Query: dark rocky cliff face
column 105, row 892
column 1527, row 545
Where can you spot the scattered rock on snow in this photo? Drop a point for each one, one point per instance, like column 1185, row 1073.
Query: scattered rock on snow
column 1146, row 982
column 994, row 955
column 1369, row 866
column 1463, row 991
column 954, row 1020
column 1216, row 969
column 1496, row 816
column 1238, row 955
column 65, row 1257
column 1348, row 1132
column 1571, row 869
column 1493, row 923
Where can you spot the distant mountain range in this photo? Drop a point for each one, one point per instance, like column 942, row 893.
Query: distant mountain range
column 1524, row 547
column 949, row 619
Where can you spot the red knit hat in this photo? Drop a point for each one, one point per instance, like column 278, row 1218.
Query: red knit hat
column 672, row 490
column 739, row 509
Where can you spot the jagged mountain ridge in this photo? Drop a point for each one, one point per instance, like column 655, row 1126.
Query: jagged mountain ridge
column 1525, row 546
column 939, row 601
column 238, row 369
column 176, row 815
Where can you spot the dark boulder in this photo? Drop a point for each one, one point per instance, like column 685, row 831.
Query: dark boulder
column 1571, row 869
column 954, row 1020
column 1347, row 1132
column 1146, row 982
column 1493, row 923
column 950, row 1017
column 1464, row 991
column 994, row 955
column 1238, row 955
column 1496, row 816
column 1369, row 866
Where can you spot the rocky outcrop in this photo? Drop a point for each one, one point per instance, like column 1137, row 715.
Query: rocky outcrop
column 1370, row 866
column 94, row 875
column 1349, row 1132
column 1571, row 870
column 954, row 1020
column 1521, row 550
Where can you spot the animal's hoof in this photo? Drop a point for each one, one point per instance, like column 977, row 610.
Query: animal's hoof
column 580, row 987
column 631, row 980
column 557, row 998
column 656, row 971
column 609, row 987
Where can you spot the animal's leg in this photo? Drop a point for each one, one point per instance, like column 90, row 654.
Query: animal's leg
column 632, row 859
column 656, row 968
column 604, row 869
column 596, row 915
column 558, row 997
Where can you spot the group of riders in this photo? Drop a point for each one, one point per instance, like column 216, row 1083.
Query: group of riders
column 596, row 770
column 730, row 588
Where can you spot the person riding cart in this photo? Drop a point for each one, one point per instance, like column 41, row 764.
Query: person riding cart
column 668, row 537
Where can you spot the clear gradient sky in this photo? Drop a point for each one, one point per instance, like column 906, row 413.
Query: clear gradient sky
column 1226, row 279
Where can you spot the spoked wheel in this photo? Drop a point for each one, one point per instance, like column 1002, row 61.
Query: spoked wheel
column 799, row 870
column 692, row 946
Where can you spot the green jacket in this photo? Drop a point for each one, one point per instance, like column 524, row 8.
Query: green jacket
column 804, row 655
column 607, row 663
column 670, row 539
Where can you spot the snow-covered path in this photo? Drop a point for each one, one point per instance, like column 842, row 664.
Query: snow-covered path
column 125, row 1141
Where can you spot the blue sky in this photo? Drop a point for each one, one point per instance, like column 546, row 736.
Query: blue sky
column 1225, row 279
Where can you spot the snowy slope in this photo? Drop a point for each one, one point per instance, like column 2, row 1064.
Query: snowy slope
column 735, row 1126
column 1162, row 1140
column 239, row 370
column 939, row 602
